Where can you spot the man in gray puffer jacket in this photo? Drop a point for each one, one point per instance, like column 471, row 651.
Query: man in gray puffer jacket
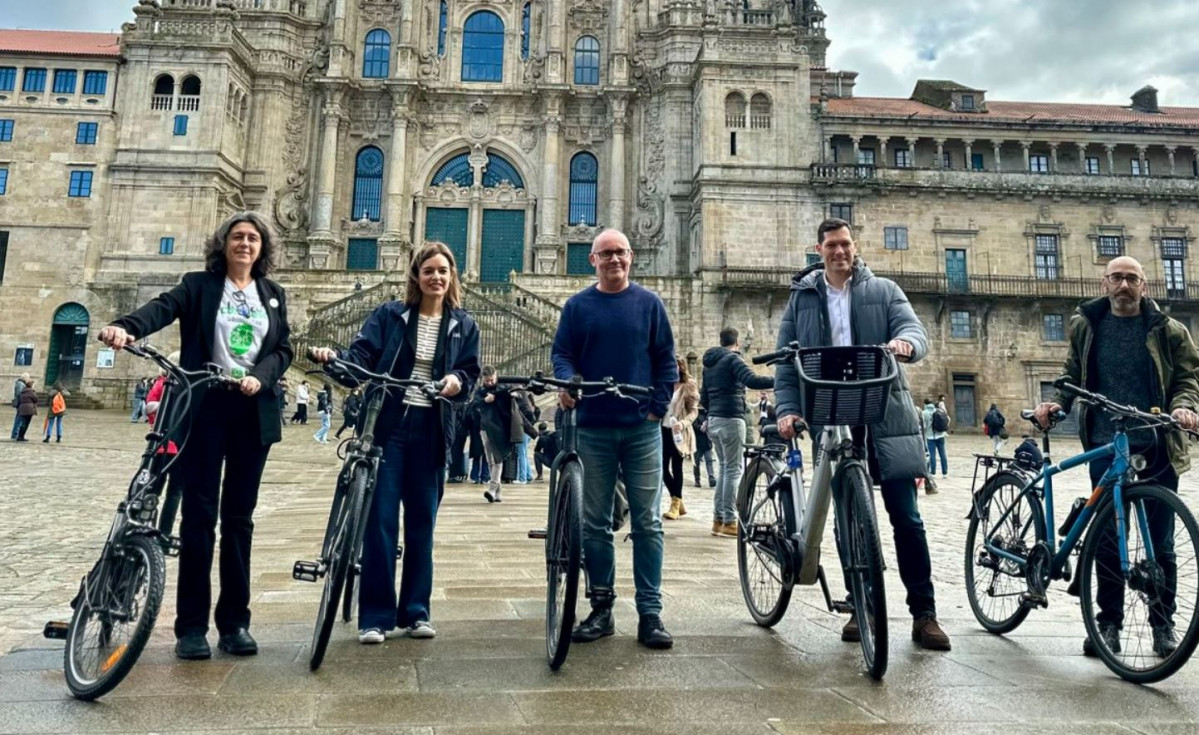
column 839, row 302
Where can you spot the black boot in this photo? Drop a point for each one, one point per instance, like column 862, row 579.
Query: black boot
column 599, row 623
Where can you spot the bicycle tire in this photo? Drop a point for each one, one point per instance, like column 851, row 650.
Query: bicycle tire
column 867, row 588
column 1134, row 498
column 996, row 497
column 142, row 562
column 564, row 550
column 767, row 579
column 336, row 567
column 349, row 595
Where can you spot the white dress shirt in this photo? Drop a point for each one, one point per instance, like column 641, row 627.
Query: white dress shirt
column 838, row 313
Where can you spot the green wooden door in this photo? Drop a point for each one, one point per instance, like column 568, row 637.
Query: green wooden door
column 503, row 244
column 449, row 226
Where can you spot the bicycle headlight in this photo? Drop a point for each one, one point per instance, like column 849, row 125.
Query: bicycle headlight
column 1138, row 462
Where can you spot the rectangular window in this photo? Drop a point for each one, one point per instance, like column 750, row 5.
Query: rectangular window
column 81, row 184
column 8, row 78
column 1110, row 246
column 23, row 357
column 946, row 160
column 959, row 324
column 95, row 82
column 1038, row 163
column 181, row 125
column 903, row 158
column 3, row 181
column 64, row 81
column 733, row 144
column 3, row 253
column 957, row 274
column 1092, row 166
column 1176, row 282
column 841, row 210
column 866, row 157
column 362, row 254
column 812, row 259
column 85, row 133
column 1047, row 258
column 976, row 161
column 35, row 80
column 895, row 238
column 1054, row 328
column 166, row 246
column 1174, row 247
column 1136, row 167
column 967, row 102
column 6, row 131
column 577, row 262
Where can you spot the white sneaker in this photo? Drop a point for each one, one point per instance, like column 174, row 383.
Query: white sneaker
column 370, row 636
column 421, row 629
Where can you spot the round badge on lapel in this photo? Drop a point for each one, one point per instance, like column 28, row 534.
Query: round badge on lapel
column 274, row 303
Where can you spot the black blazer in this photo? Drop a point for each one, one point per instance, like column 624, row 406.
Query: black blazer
column 194, row 302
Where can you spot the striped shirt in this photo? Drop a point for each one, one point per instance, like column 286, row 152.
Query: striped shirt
column 427, row 328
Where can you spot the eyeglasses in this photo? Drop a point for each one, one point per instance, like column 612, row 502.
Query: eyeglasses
column 621, row 253
column 243, row 306
column 1132, row 279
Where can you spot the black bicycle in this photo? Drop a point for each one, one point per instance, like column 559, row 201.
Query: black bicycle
column 563, row 533
column 118, row 600
column 340, row 560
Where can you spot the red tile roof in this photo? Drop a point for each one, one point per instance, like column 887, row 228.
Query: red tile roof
column 59, row 43
column 1007, row 112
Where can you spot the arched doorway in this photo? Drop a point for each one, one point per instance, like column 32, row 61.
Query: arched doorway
column 68, row 346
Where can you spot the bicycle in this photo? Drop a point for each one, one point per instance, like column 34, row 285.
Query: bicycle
column 781, row 525
column 340, row 560
column 563, row 533
column 1011, row 561
column 119, row 599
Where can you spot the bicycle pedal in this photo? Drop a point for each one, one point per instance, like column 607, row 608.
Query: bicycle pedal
column 760, row 533
column 56, row 630
column 1030, row 600
column 538, row 533
column 170, row 545
column 306, row 571
column 842, row 607
column 986, row 561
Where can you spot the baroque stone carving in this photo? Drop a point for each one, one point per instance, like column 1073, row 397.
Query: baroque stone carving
column 291, row 202
column 378, row 13
column 528, row 138
column 588, row 15
column 447, row 194
column 534, row 69
column 429, row 66
column 505, row 195
column 651, row 205
column 478, row 121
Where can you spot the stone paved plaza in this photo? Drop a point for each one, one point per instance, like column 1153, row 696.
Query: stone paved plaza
column 485, row 673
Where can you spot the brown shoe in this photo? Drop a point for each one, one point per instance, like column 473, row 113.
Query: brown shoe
column 717, row 526
column 850, row 633
column 927, row 633
column 673, row 513
column 728, row 529
column 682, row 508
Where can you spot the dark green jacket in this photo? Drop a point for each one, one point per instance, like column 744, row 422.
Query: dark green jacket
column 1175, row 381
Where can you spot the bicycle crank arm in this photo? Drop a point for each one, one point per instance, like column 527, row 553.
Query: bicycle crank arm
column 537, row 533
column 56, row 630
column 307, row 571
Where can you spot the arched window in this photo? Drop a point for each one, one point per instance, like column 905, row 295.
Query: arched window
column 191, row 86
column 483, row 48
column 587, row 60
column 734, row 110
column 525, row 14
column 499, row 169
column 376, row 54
column 584, row 188
column 368, row 184
column 164, row 93
column 759, row 111
column 457, row 170
column 441, row 25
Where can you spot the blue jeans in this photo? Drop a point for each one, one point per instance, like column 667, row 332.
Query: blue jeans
column 139, row 410
column 16, row 425
column 935, row 447
column 728, row 439
column 479, row 470
column 322, row 434
column 523, row 471
column 412, row 473
column 636, row 454
column 50, row 424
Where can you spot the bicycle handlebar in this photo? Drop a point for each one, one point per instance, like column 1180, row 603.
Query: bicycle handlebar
column 538, row 384
column 1104, row 403
column 431, row 389
column 211, row 372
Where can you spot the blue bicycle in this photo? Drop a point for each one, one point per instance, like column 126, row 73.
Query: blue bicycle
column 1138, row 567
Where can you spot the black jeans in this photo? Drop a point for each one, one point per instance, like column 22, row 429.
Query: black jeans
column 672, row 464
column 346, row 423
column 1109, row 593
column 225, row 431
column 458, row 466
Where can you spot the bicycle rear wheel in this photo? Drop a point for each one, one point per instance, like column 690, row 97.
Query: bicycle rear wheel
column 563, row 557
column 1015, row 523
column 114, row 615
column 865, row 570
column 762, row 556
column 339, row 541
column 1160, row 594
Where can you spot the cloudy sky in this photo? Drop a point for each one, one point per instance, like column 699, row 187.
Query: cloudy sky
column 1029, row 50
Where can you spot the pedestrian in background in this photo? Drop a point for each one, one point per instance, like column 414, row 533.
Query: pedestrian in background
column 546, row 448
column 993, row 426
column 494, row 404
column 678, row 438
column 58, row 409
column 525, row 411
column 350, row 410
column 26, row 408
column 301, row 415
column 139, row 400
column 17, row 387
column 936, row 428
column 703, row 447
column 324, row 410
column 284, row 387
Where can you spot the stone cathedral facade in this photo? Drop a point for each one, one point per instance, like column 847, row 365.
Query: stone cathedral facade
column 710, row 131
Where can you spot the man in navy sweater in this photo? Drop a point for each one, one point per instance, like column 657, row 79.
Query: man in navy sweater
column 618, row 329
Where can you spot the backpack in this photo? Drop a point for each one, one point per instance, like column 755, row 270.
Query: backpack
column 940, row 421
column 58, row 405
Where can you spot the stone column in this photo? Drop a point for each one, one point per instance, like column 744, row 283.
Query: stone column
column 321, row 244
column 940, row 162
column 912, row 151
column 1082, row 156
column 857, row 148
column 1053, row 157
column 555, row 64
column 618, row 68
column 828, row 150
column 969, row 154
column 616, row 188
column 997, row 146
column 1170, row 153
column 1111, row 159
column 395, row 241
column 1141, row 158
column 882, row 153
column 474, row 233
column 406, row 48
column 546, row 248
column 1026, row 146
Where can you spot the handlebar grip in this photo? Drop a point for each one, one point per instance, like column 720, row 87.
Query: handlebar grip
column 770, row 357
column 510, row 380
column 1064, row 384
column 636, row 390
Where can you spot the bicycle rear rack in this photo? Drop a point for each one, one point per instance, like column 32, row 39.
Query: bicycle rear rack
column 307, row 571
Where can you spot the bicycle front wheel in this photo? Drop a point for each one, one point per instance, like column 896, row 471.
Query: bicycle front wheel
column 338, row 543
column 1143, row 625
column 1006, row 518
column 114, row 615
column 762, row 555
column 865, row 569
column 563, row 557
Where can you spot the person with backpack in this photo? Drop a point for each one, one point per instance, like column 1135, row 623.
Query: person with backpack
column 58, row 409
column 18, row 387
column 546, row 448
column 324, row 409
column 350, row 410
column 703, row 448
column 936, row 428
column 993, row 424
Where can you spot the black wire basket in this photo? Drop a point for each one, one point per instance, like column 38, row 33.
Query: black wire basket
column 846, row 386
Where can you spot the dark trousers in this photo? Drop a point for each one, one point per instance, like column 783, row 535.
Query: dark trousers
column 412, row 474
column 170, row 502
column 707, row 458
column 480, row 471
column 672, row 464
column 225, row 431
column 301, row 414
column 23, row 426
column 1109, row 593
column 542, row 461
column 458, row 454
column 346, row 423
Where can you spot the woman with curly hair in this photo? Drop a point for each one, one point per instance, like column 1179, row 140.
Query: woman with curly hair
column 678, row 438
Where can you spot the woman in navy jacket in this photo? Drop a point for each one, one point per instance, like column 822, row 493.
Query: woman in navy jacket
column 427, row 336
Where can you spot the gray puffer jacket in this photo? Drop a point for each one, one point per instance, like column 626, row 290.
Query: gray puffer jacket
column 879, row 312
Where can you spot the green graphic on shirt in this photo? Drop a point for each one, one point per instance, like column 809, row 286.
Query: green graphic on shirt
column 241, row 338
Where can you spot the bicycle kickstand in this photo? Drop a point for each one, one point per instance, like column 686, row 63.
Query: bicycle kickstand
column 841, row 607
